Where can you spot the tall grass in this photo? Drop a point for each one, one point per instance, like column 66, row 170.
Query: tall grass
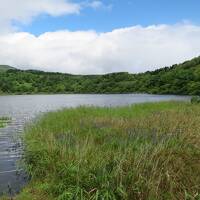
column 140, row 152
column 4, row 121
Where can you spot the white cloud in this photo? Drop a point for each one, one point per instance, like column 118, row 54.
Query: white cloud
column 133, row 49
column 96, row 4
column 24, row 11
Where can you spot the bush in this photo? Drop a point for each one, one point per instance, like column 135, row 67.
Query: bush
column 195, row 100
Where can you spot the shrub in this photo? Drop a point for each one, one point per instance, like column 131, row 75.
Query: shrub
column 195, row 100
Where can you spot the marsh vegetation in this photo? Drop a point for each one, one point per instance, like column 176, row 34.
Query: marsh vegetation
column 144, row 151
column 4, row 121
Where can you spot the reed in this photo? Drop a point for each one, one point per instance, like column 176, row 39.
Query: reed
column 141, row 152
column 4, row 121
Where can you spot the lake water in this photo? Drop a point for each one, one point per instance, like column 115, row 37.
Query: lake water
column 24, row 108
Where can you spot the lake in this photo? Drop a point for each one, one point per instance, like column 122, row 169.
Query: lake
column 26, row 107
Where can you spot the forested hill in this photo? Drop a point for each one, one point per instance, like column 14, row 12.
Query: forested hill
column 177, row 79
column 5, row 67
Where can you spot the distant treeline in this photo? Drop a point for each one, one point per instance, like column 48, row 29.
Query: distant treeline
column 178, row 79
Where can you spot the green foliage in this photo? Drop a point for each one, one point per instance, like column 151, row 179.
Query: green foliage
column 4, row 121
column 195, row 100
column 177, row 79
column 147, row 151
column 5, row 67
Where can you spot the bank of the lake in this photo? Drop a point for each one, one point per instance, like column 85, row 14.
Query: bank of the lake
column 144, row 151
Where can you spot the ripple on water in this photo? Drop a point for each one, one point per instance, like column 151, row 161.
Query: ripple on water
column 11, row 178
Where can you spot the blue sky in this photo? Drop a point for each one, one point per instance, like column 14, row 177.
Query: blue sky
column 98, row 36
column 119, row 13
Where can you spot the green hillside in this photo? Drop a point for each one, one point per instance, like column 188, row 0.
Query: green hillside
column 178, row 79
column 5, row 67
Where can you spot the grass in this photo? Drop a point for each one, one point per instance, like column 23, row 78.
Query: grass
column 4, row 121
column 142, row 152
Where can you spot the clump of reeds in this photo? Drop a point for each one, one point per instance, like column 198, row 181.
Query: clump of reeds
column 4, row 121
column 139, row 152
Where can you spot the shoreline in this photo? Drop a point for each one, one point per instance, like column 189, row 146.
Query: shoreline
column 27, row 94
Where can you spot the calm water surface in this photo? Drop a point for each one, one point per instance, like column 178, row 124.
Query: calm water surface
column 24, row 108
